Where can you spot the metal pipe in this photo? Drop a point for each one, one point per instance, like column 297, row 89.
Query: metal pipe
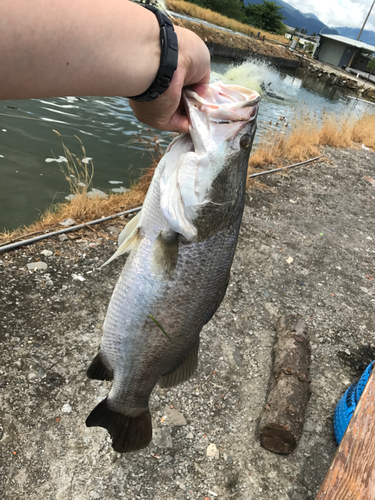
column 283, row 168
column 11, row 246
column 364, row 24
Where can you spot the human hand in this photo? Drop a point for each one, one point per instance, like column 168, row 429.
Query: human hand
column 193, row 69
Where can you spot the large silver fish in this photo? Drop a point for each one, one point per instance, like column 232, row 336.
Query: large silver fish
column 181, row 247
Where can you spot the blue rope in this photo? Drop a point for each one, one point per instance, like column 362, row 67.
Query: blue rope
column 347, row 404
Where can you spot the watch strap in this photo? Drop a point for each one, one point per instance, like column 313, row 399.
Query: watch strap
column 168, row 58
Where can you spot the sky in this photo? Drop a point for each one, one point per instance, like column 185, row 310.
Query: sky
column 338, row 13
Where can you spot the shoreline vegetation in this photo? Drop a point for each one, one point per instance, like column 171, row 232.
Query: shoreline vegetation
column 193, row 10
column 277, row 148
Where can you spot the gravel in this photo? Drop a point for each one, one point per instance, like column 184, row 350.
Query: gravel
column 314, row 257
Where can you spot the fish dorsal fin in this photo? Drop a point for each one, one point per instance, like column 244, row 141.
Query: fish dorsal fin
column 128, row 229
column 126, row 246
column 184, row 371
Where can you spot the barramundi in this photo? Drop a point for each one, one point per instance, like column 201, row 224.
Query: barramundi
column 181, row 248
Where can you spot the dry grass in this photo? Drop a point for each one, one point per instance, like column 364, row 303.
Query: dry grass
column 305, row 140
column 277, row 148
column 193, row 10
column 83, row 208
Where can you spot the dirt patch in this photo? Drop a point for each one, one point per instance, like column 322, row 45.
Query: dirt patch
column 321, row 216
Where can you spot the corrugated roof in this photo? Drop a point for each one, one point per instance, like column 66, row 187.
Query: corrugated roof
column 350, row 41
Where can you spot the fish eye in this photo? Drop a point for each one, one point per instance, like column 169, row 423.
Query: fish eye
column 245, row 142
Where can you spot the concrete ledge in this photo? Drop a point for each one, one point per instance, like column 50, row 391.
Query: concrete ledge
column 222, row 51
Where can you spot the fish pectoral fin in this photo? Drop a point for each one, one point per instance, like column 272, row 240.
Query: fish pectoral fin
column 128, row 229
column 165, row 253
column 128, row 433
column 99, row 370
column 126, row 246
column 184, row 371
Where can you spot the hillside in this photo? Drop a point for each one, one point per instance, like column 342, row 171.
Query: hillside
column 366, row 37
column 295, row 18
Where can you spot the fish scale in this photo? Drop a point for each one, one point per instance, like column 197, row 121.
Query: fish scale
column 182, row 246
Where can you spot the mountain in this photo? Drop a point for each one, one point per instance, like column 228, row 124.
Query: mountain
column 366, row 37
column 296, row 19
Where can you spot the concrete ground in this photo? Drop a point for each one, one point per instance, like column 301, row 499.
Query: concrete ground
column 306, row 247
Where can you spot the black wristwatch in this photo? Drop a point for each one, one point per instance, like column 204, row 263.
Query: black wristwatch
column 168, row 58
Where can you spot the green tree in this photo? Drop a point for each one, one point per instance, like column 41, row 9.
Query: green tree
column 266, row 16
column 229, row 8
column 371, row 65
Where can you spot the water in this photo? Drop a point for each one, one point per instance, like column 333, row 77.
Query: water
column 29, row 184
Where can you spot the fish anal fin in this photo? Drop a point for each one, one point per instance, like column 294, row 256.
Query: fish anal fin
column 184, row 371
column 128, row 433
column 99, row 369
column 165, row 253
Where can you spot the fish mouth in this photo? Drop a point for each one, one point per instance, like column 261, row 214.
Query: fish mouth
column 223, row 104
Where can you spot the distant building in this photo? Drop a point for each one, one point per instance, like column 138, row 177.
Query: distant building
column 343, row 52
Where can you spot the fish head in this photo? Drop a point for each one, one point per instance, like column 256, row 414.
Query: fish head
column 207, row 167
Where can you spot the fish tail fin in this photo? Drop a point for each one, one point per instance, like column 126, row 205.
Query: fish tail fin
column 128, row 433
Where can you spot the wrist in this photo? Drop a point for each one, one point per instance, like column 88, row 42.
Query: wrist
column 168, row 58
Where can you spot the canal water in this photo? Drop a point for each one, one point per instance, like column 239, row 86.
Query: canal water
column 30, row 176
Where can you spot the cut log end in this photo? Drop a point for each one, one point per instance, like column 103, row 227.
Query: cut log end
column 278, row 439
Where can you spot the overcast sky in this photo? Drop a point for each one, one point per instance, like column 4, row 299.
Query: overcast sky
column 351, row 13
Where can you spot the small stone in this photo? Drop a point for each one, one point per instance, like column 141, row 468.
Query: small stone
column 68, row 222
column 363, row 289
column 174, row 417
column 113, row 229
column 162, row 437
column 66, row 408
column 46, row 253
column 37, row 265
column 96, row 192
column 120, row 190
column 272, row 310
column 292, row 201
column 63, row 237
column 78, row 277
column 94, row 495
column 189, row 436
column 238, row 358
column 212, row 451
column 289, row 260
column 31, row 376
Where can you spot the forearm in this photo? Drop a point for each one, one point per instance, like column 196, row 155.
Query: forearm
column 81, row 47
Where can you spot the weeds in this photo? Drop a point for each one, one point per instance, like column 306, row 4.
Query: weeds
column 306, row 140
column 275, row 149
column 215, row 18
column 81, row 207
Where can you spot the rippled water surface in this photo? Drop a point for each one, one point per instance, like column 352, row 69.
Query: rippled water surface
column 29, row 183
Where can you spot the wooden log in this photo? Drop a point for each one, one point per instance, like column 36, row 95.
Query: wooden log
column 352, row 472
column 283, row 416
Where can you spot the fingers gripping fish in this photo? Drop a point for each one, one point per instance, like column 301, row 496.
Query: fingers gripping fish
column 181, row 248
